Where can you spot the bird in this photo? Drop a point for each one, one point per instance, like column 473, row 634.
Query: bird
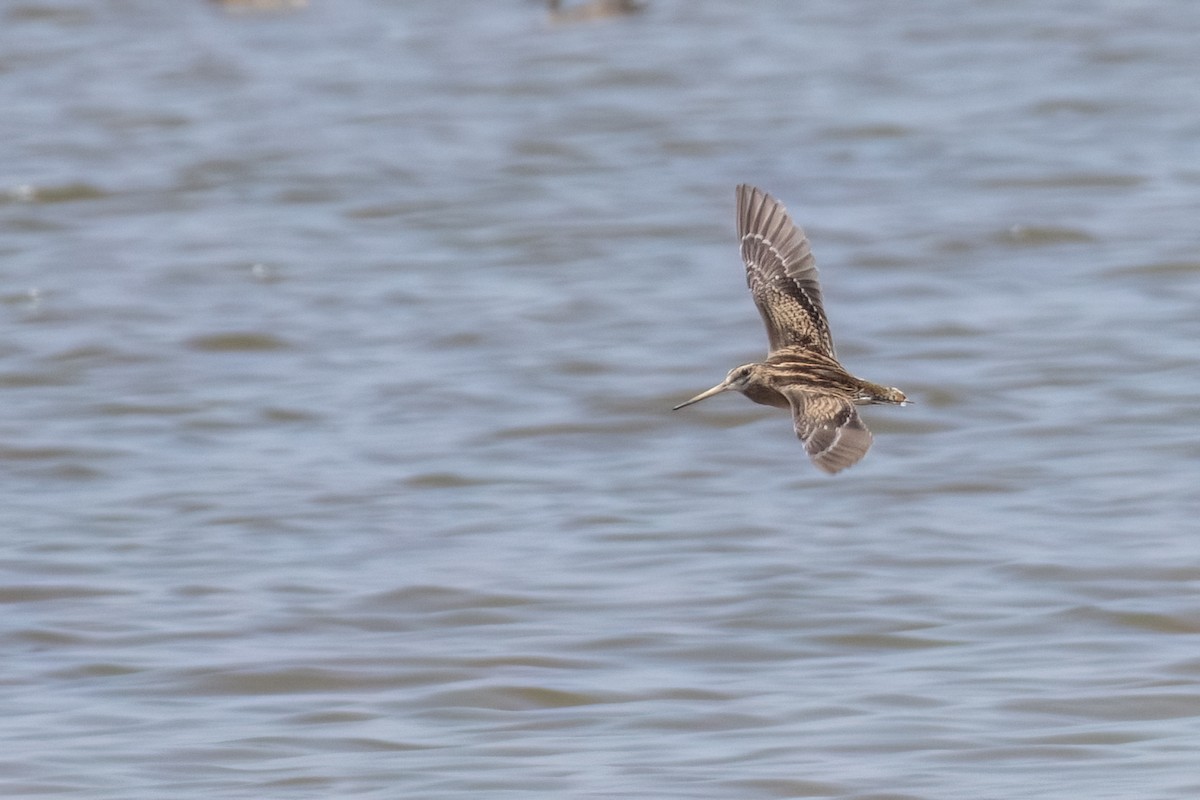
column 593, row 9
column 801, row 371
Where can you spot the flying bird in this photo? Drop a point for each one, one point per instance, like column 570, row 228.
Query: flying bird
column 801, row 371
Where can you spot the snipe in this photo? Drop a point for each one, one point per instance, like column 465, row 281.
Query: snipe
column 801, row 371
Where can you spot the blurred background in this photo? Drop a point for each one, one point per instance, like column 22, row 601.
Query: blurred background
column 339, row 346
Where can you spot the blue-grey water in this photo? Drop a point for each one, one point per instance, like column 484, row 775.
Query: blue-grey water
column 339, row 346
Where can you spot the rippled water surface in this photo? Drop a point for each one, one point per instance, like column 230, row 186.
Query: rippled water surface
column 339, row 351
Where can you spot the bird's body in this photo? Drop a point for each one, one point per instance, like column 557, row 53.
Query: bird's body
column 801, row 371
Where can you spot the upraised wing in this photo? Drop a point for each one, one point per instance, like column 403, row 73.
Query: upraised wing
column 781, row 273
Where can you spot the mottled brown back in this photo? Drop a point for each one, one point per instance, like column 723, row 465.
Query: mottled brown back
column 781, row 273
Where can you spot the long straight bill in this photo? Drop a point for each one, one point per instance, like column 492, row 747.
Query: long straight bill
column 720, row 387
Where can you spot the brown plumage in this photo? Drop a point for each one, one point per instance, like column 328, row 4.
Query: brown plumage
column 801, row 370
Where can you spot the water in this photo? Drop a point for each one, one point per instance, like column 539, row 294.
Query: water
column 339, row 347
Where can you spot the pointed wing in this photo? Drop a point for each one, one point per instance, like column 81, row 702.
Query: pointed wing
column 781, row 273
column 833, row 433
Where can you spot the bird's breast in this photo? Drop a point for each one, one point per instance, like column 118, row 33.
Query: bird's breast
column 766, row 396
